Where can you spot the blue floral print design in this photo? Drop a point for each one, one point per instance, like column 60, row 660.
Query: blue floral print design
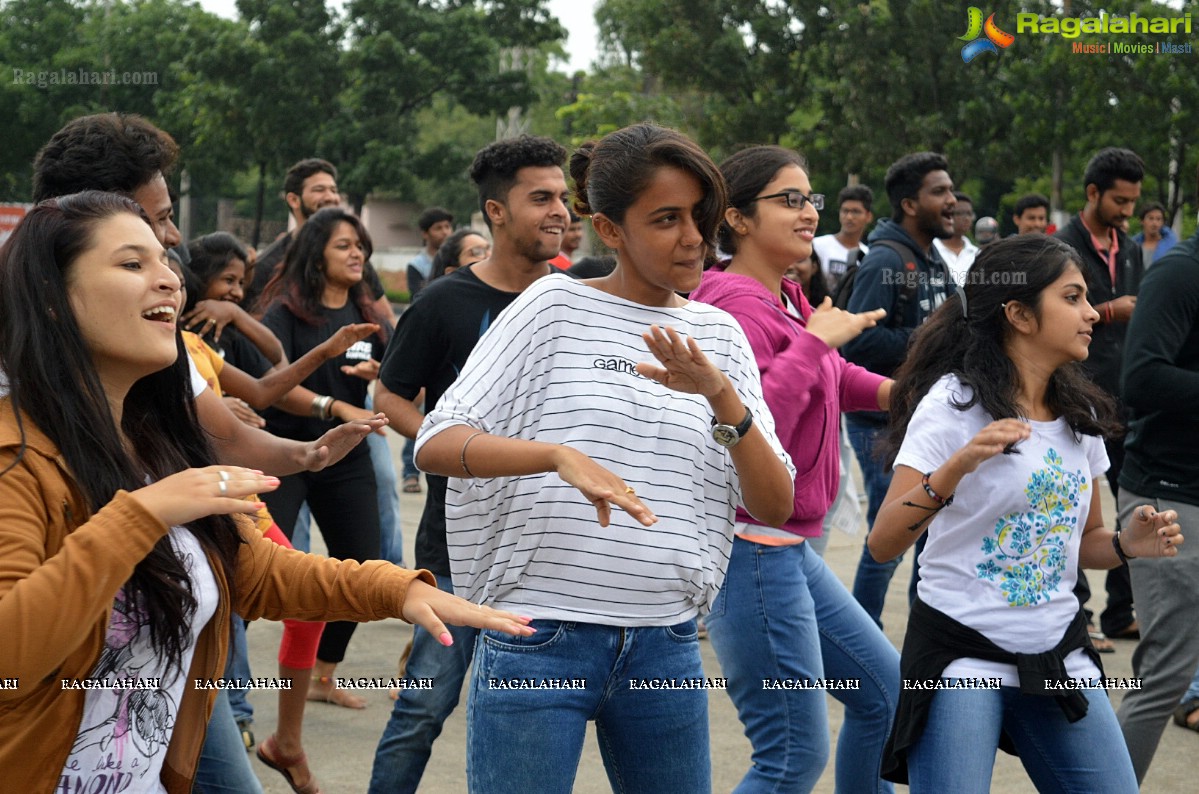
column 1026, row 555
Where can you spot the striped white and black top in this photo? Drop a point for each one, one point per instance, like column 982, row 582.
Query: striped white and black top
column 558, row 367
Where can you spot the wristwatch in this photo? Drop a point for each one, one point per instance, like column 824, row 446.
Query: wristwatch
column 731, row 435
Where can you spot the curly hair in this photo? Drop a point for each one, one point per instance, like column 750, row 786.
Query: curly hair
column 115, row 152
column 496, row 165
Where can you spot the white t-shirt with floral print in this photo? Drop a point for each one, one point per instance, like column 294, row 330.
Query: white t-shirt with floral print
column 1003, row 558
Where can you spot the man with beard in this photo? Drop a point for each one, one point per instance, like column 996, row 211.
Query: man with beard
column 903, row 274
column 1113, row 267
column 522, row 194
column 310, row 185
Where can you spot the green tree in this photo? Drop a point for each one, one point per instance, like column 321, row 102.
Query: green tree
column 403, row 55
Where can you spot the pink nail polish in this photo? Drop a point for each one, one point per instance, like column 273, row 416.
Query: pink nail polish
column 445, row 639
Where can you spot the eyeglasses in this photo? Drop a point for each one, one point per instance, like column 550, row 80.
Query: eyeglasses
column 479, row 251
column 797, row 200
column 964, row 213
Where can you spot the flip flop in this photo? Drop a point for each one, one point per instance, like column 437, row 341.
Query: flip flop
column 1101, row 642
column 1185, row 709
column 412, row 485
column 282, row 764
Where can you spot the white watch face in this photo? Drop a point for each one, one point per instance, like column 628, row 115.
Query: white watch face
column 725, row 435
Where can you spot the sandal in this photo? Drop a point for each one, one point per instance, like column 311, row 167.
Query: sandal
column 1100, row 641
column 1185, row 709
column 412, row 484
column 283, row 765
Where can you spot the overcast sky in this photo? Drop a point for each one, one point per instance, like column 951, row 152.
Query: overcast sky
column 577, row 16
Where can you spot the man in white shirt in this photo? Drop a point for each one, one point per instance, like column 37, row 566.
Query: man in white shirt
column 837, row 252
column 958, row 252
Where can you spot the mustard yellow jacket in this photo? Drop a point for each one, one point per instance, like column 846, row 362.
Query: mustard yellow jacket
column 60, row 569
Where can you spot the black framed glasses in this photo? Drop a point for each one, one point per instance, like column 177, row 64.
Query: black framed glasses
column 796, row 200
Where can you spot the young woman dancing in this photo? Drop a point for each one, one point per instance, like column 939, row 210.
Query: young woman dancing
column 782, row 615
column 1000, row 440
column 122, row 551
column 557, row 420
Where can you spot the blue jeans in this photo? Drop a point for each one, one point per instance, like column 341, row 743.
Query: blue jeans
column 783, row 615
column 391, row 537
column 408, row 459
column 224, row 767
column 238, row 666
column 956, row 751
column 529, row 740
column 1193, row 690
column 873, row 578
column 418, row 714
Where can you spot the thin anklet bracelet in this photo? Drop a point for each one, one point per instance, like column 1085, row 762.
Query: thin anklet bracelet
column 462, row 454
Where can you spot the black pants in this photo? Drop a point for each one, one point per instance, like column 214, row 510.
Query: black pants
column 343, row 504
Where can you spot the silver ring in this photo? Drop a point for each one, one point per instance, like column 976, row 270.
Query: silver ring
column 224, row 475
column 223, row 488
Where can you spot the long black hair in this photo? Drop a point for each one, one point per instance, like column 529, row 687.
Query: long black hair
column 53, row 382
column 969, row 342
column 300, row 282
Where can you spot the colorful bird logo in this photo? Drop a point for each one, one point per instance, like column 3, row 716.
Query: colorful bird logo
column 995, row 40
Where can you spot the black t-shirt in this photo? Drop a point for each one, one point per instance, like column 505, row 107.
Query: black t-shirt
column 264, row 271
column 431, row 344
column 239, row 351
column 298, row 337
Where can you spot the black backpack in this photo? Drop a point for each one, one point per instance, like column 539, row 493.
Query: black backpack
column 906, row 295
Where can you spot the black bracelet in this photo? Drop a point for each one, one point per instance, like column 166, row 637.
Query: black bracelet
column 1124, row 558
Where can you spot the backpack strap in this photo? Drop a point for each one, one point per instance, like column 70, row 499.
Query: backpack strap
column 907, row 293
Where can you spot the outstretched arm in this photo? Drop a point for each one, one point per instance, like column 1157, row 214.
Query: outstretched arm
column 239, row 444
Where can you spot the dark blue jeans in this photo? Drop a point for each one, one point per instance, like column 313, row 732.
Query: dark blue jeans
column 652, row 740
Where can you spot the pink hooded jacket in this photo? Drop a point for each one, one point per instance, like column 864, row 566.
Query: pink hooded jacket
column 806, row 383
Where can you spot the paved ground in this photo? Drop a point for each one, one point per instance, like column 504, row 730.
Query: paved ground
column 341, row 743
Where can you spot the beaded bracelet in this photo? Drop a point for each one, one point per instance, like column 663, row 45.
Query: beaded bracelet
column 936, row 497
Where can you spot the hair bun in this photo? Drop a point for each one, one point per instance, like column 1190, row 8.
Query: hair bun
column 580, row 166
